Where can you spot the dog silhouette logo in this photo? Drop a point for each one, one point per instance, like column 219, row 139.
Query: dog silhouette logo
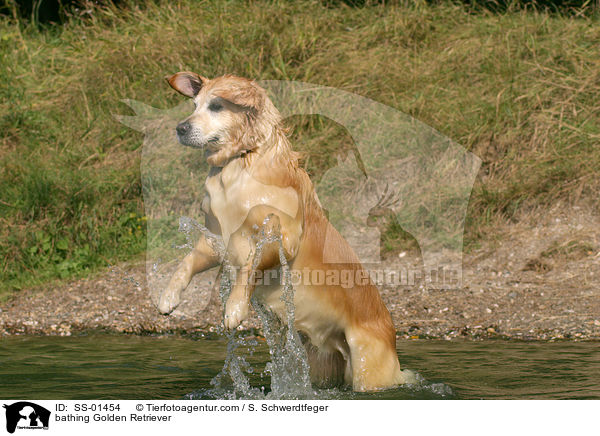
column 26, row 415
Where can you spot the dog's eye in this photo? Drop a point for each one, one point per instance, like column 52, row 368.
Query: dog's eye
column 215, row 106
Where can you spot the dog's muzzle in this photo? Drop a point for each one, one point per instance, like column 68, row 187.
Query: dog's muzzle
column 191, row 138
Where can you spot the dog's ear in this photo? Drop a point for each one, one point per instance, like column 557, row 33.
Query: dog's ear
column 247, row 97
column 186, row 83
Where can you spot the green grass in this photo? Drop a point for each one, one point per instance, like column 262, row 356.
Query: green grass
column 520, row 89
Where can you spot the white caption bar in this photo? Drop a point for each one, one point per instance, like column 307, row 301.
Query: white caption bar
column 255, row 417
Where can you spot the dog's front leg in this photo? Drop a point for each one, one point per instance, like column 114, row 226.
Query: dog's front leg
column 238, row 303
column 201, row 258
column 243, row 251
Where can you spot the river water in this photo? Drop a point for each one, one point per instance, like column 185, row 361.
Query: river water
column 102, row 366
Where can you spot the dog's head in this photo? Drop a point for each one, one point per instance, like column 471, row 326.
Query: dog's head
column 233, row 115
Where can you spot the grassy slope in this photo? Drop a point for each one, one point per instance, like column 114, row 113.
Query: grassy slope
column 519, row 89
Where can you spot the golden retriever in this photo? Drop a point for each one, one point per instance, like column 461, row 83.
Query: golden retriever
column 255, row 182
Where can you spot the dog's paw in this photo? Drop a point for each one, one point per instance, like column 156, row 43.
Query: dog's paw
column 235, row 313
column 168, row 301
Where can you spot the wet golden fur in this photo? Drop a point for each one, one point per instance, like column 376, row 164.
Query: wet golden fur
column 256, row 182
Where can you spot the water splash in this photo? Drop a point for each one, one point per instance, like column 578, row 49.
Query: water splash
column 288, row 367
column 188, row 225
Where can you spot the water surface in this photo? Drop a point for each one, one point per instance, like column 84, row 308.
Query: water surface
column 102, row 366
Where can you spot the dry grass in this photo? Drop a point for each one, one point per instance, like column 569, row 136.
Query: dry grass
column 519, row 89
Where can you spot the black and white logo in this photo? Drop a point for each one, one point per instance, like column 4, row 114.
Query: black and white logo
column 26, row 415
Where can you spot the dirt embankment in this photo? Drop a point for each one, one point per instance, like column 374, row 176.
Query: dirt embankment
column 536, row 281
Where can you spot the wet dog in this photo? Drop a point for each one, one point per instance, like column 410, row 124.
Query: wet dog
column 256, row 185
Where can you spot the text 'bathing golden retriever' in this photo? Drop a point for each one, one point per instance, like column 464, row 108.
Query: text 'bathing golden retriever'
column 254, row 178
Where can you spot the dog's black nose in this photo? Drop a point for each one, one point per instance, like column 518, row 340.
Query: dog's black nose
column 183, row 128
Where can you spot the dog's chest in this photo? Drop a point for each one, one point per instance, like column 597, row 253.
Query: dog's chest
column 234, row 191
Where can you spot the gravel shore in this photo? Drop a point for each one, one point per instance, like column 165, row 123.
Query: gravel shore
column 537, row 282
